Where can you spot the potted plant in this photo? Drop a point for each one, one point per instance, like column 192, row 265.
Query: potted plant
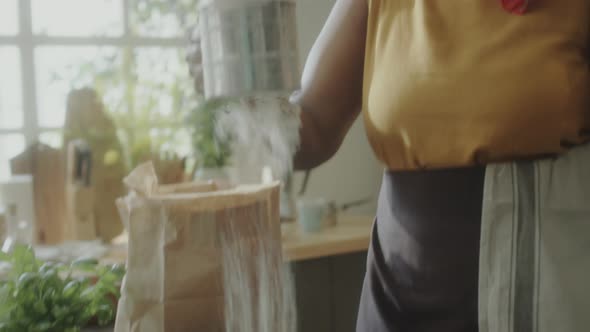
column 55, row 297
column 211, row 152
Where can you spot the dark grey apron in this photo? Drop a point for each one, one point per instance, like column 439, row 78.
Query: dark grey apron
column 422, row 267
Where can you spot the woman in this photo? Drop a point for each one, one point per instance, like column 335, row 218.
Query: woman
column 448, row 89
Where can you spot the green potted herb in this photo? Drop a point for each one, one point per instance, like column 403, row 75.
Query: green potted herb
column 53, row 297
column 211, row 153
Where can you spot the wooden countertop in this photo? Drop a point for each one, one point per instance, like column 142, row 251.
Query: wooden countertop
column 351, row 234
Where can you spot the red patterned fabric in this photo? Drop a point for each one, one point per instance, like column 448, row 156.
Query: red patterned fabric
column 518, row 7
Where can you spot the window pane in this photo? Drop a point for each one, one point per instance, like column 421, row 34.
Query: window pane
column 78, row 17
column 8, row 17
column 163, row 81
column 52, row 138
column 10, row 146
column 11, row 111
column 163, row 96
column 61, row 69
column 162, row 18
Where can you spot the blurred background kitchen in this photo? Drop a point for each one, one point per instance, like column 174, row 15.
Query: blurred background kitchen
column 133, row 54
column 91, row 88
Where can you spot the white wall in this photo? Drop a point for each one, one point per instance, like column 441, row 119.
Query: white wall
column 354, row 172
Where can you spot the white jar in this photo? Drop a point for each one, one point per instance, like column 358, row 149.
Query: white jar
column 18, row 231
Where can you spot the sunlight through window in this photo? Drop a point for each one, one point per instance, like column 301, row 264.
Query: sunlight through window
column 77, row 17
column 11, row 111
column 131, row 52
column 8, row 17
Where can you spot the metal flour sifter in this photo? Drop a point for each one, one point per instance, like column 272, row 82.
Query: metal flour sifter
column 248, row 48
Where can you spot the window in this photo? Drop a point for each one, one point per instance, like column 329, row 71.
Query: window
column 130, row 51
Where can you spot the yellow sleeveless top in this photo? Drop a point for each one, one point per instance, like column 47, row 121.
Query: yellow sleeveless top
column 452, row 83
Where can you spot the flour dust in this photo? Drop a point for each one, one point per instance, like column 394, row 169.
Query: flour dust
column 263, row 132
column 259, row 287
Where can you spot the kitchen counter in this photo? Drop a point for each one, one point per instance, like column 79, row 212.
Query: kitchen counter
column 350, row 235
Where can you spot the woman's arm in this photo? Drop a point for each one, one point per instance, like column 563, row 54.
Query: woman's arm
column 331, row 86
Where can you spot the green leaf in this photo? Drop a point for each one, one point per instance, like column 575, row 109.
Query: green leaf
column 47, row 267
column 43, row 326
column 40, row 308
column 85, row 264
column 119, row 270
column 27, row 279
column 105, row 314
column 59, row 311
column 71, row 289
column 72, row 329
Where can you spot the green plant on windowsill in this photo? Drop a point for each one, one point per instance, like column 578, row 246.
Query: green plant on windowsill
column 210, row 152
column 43, row 296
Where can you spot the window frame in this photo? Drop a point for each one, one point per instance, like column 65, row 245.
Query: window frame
column 26, row 42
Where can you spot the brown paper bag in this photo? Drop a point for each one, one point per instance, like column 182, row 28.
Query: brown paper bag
column 175, row 278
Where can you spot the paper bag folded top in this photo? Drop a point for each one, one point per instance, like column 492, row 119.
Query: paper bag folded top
column 174, row 278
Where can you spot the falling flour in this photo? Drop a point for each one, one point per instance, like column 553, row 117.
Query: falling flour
column 263, row 132
column 258, row 286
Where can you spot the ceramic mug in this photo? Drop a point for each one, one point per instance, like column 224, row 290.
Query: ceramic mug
column 311, row 214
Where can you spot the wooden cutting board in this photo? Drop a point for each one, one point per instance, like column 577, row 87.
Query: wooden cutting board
column 47, row 167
